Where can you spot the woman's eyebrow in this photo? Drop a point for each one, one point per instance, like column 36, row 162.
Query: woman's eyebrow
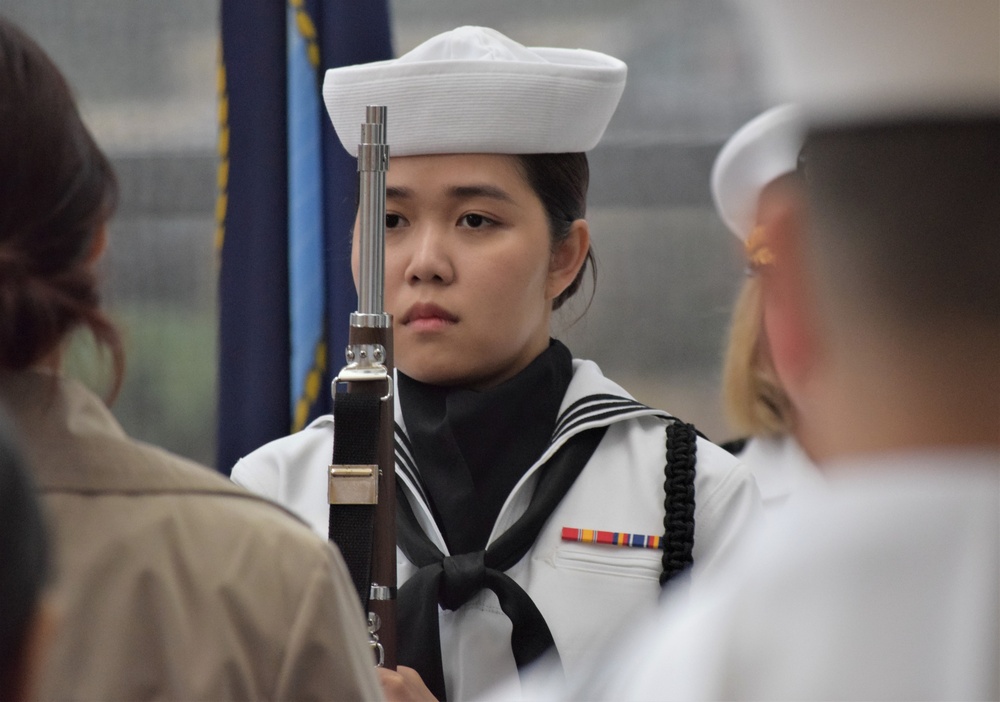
column 462, row 192
column 398, row 193
column 455, row 192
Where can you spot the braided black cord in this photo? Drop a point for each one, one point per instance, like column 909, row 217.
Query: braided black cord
column 678, row 487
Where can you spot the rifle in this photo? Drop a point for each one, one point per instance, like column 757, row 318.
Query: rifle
column 362, row 479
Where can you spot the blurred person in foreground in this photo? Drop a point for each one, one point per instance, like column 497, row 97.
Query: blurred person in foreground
column 172, row 583
column 766, row 393
column 886, row 584
column 27, row 617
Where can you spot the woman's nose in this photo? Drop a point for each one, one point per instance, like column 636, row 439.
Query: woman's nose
column 430, row 260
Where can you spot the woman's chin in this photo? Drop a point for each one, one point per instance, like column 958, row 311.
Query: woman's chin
column 432, row 375
column 448, row 374
column 451, row 376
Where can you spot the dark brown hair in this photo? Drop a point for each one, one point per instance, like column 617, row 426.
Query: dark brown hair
column 57, row 192
column 560, row 181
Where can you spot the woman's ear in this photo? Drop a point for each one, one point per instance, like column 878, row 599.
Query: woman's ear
column 98, row 245
column 567, row 258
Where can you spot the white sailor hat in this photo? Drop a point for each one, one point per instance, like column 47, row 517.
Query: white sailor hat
column 473, row 90
column 763, row 149
column 874, row 60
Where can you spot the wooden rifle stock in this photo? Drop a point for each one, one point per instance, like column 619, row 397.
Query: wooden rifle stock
column 382, row 601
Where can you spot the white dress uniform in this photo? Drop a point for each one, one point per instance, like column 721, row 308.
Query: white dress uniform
column 584, row 590
column 883, row 585
column 781, row 469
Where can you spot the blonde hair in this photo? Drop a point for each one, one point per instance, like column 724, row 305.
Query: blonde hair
column 754, row 400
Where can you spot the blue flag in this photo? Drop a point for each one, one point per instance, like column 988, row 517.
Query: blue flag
column 285, row 212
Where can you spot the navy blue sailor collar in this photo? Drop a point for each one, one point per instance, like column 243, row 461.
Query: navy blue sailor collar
column 591, row 400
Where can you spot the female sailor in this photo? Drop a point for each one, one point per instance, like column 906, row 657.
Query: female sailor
column 765, row 389
column 532, row 512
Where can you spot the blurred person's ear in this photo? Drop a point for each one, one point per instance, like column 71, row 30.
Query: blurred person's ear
column 788, row 295
column 99, row 245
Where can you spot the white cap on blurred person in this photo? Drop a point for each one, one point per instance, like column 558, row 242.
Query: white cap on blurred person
column 870, row 60
column 763, row 149
column 473, row 90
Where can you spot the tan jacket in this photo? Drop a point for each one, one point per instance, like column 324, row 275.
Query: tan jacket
column 174, row 583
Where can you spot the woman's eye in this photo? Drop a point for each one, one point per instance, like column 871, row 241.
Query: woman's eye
column 392, row 221
column 475, row 221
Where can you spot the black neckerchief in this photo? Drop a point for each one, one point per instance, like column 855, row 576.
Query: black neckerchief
column 471, row 447
column 451, row 581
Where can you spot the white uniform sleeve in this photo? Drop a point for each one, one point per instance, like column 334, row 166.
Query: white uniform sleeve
column 259, row 475
column 727, row 506
column 292, row 471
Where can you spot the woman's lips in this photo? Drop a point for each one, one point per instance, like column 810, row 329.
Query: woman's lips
column 425, row 316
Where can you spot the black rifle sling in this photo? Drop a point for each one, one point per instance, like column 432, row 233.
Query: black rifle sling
column 356, row 429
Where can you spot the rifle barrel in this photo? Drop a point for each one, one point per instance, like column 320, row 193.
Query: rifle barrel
column 371, row 338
